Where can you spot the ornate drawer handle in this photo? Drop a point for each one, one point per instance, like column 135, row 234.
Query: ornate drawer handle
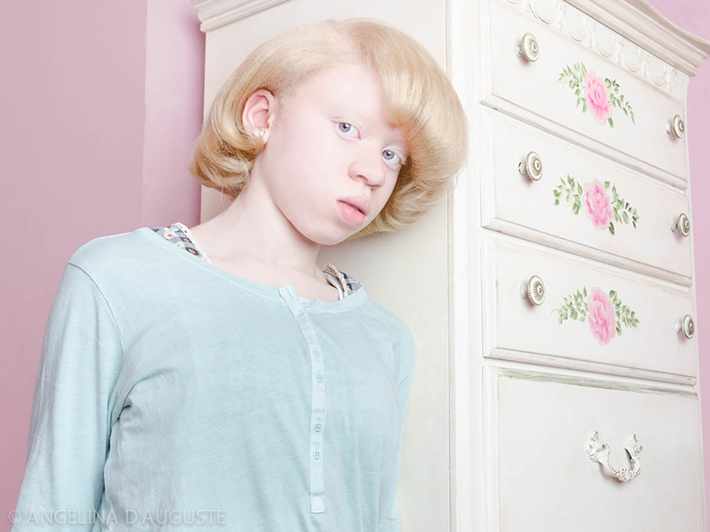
column 599, row 452
column 682, row 224
column 532, row 166
column 534, row 290
column 687, row 325
column 528, row 47
column 677, row 127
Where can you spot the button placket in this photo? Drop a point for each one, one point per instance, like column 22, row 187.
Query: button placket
column 318, row 403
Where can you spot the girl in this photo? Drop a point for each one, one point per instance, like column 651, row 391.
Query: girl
column 215, row 377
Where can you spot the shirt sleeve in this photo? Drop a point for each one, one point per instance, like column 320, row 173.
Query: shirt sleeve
column 407, row 353
column 70, row 423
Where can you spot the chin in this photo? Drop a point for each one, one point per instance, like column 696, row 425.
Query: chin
column 332, row 236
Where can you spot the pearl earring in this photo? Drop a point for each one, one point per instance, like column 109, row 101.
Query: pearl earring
column 259, row 132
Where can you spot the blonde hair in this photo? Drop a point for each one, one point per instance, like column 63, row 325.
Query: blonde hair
column 417, row 93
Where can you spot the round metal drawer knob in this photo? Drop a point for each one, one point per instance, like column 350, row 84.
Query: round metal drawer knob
column 677, row 127
column 687, row 326
column 534, row 290
column 532, row 167
column 528, row 47
column 682, row 224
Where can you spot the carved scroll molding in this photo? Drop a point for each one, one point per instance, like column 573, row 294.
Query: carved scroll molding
column 629, row 33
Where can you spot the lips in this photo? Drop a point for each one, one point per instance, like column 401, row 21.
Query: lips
column 350, row 214
column 355, row 206
column 361, row 203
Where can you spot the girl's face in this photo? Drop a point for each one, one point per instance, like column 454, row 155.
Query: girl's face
column 332, row 146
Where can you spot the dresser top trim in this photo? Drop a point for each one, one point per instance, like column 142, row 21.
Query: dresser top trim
column 644, row 25
column 636, row 20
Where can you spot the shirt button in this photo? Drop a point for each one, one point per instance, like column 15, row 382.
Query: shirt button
column 316, row 353
column 319, row 377
column 316, row 454
column 301, row 314
column 318, row 427
column 317, row 504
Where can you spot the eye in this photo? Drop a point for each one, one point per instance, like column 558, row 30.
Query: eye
column 390, row 152
column 348, row 127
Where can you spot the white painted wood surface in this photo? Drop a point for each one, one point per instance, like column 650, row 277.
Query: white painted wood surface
column 517, row 205
column 516, row 329
column 539, row 429
column 515, row 83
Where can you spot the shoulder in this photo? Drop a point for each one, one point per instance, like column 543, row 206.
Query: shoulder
column 398, row 329
column 399, row 333
column 138, row 275
column 110, row 252
column 121, row 263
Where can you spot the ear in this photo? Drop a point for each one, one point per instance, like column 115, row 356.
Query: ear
column 259, row 112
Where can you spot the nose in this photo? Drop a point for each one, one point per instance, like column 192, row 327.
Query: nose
column 368, row 164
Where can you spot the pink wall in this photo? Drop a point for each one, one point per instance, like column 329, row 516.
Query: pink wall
column 72, row 147
column 101, row 102
column 101, row 109
column 694, row 16
column 174, row 81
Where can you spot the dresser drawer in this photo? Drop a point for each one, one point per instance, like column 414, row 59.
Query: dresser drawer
column 569, row 88
column 580, row 202
column 541, row 477
column 591, row 317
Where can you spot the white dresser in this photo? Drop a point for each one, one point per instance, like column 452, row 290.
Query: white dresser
column 552, row 297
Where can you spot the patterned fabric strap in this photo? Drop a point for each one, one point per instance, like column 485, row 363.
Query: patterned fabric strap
column 179, row 234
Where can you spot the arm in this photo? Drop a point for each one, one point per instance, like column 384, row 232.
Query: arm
column 406, row 350
column 70, row 425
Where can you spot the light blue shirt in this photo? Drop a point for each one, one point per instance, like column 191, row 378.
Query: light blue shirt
column 173, row 395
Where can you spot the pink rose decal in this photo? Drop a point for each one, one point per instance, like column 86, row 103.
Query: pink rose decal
column 598, row 207
column 597, row 97
column 602, row 316
column 596, row 93
column 598, row 202
column 600, row 310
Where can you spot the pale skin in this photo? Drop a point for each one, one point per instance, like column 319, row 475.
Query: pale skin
column 332, row 141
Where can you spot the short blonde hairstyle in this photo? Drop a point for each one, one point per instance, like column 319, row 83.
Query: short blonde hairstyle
column 417, row 91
